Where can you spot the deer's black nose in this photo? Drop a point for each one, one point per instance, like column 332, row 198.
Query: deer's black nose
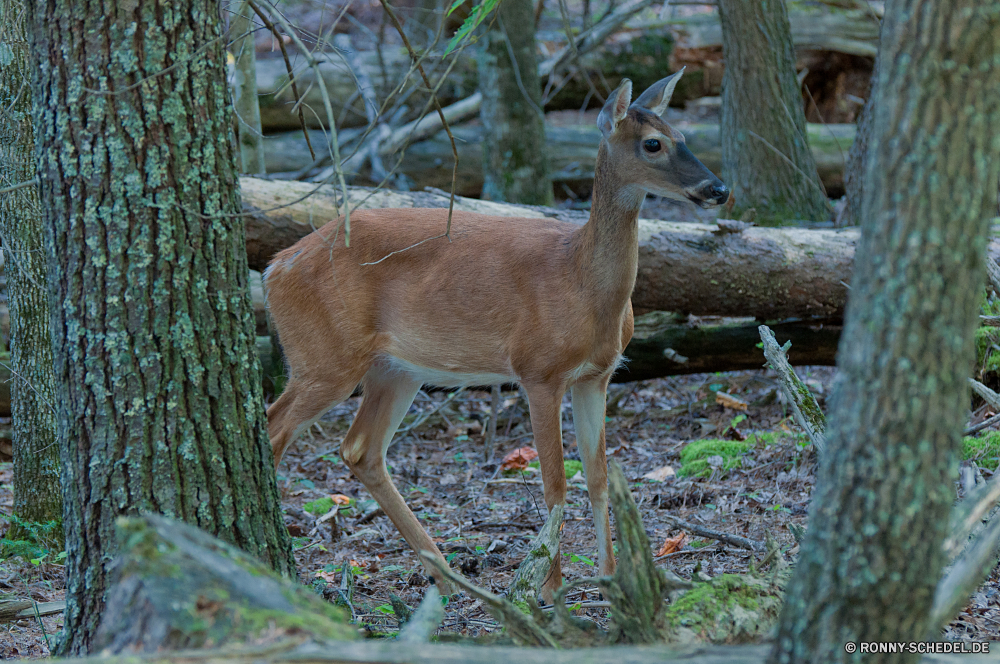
column 719, row 193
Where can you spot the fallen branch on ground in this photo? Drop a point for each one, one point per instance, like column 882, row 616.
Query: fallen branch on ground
column 807, row 412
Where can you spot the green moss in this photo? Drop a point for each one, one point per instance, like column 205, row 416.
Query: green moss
column 728, row 609
column 984, row 450
column 319, row 507
column 695, row 455
column 988, row 349
column 570, row 466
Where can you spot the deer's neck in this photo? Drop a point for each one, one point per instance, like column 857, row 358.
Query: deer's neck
column 606, row 248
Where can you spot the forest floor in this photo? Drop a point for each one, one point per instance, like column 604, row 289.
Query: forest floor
column 484, row 518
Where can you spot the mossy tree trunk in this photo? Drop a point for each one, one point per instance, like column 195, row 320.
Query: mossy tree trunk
column 37, row 492
column 872, row 554
column 158, row 391
column 515, row 167
column 765, row 154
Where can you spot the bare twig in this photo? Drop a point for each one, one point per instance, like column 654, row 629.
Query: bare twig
column 985, row 424
column 19, row 185
column 967, row 515
column 328, row 107
column 968, row 572
column 988, row 395
column 288, row 66
column 437, row 107
column 701, row 531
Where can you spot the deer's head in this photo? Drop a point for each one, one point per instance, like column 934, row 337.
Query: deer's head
column 650, row 153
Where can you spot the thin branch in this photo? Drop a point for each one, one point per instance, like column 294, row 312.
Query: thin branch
column 790, row 162
column 328, row 107
column 437, row 106
column 20, row 185
column 288, row 66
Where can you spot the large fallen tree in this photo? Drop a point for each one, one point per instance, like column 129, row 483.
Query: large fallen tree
column 642, row 57
column 572, row 153
column 765, row 273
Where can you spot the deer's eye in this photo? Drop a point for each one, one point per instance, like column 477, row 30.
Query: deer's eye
column 652, row 145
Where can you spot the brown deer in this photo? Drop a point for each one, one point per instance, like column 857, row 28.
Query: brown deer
column 533, row 301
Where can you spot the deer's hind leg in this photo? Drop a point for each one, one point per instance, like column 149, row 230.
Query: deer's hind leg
column 304, row 400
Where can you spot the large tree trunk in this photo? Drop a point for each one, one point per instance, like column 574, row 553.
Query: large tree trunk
column 158, row 393
column 765, row 154
column 873, row 553
column 515, row 168
column 37, row 491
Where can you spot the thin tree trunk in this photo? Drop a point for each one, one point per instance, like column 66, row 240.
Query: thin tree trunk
column 37, row 492
column 241, row 44
column 765, row 154
column 515, row 167
column 872, row 554
column 158, row 390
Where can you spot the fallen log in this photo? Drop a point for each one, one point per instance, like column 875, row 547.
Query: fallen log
column 572, row 152
column 662, row 347
column 765, row 273
column 174, row 586
column 641, row 57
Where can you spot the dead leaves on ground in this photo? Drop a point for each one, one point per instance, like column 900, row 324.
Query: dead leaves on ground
column 518, row 459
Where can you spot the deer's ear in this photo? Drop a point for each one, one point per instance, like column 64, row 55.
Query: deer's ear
column 657, row 97
column 615, row 108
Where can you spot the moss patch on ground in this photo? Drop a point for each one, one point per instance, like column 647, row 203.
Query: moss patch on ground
column 984, row 450
column 571, row 466
column 730, row 608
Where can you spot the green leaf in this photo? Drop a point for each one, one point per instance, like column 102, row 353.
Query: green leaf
column 574, row 558
column 476, row 17
column 385, row 608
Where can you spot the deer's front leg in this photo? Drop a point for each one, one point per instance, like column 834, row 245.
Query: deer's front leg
column 545, row 403
column 589, row 400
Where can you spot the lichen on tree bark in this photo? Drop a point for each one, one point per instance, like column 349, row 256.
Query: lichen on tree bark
column 873, row 554
column 158, row 393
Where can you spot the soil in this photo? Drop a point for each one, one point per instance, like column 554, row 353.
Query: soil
column 484, row 519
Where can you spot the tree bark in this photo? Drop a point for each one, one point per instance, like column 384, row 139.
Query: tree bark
column 244, row 87
column 873, row 552
column 158, row 395
column 857, row 158
column 37, row 491
column 515, row 169
column 765, row 153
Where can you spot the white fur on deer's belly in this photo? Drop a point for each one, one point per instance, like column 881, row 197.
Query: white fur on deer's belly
column 443, row 378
